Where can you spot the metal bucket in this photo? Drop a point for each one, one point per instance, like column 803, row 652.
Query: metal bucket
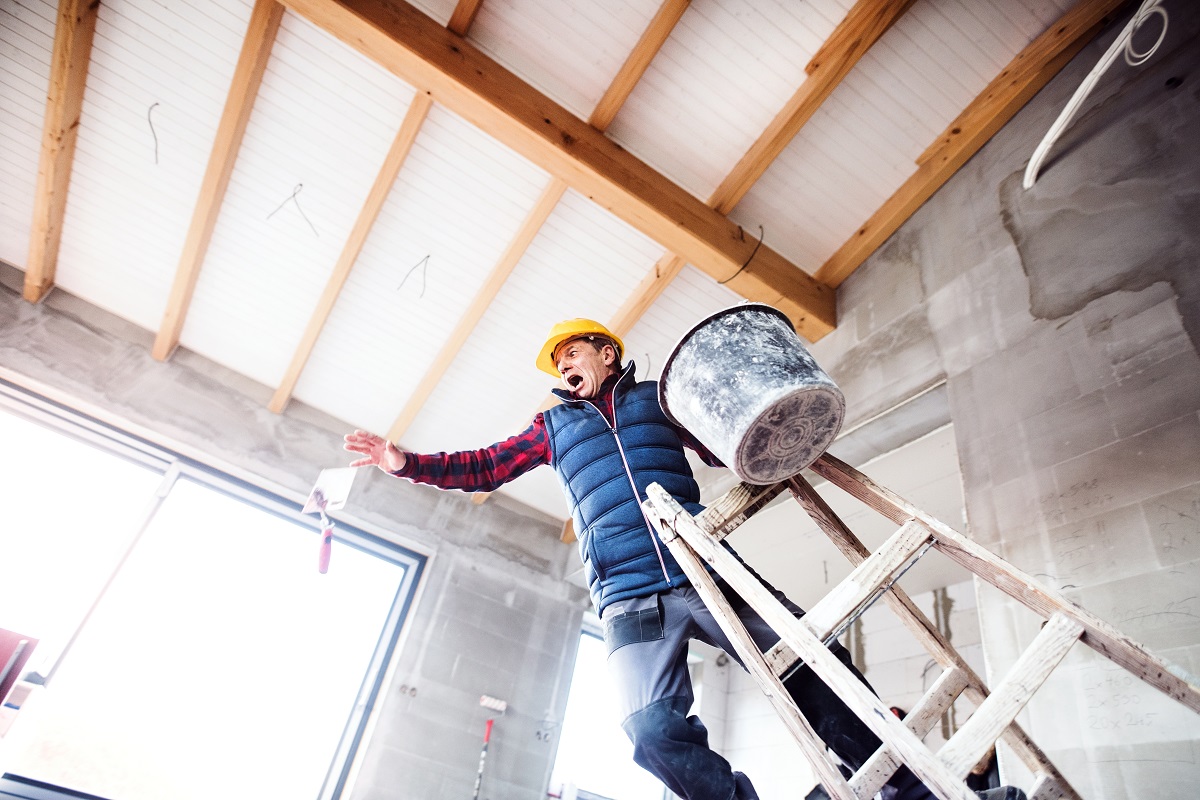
column 743, row 384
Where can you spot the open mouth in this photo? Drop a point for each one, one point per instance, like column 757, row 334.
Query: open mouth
column 574, row 381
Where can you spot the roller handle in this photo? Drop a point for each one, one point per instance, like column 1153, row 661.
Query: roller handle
column 326, row 548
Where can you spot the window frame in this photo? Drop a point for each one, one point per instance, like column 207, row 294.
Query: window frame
column 63, row 419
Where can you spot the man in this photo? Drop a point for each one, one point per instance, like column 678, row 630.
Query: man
column 607, row 441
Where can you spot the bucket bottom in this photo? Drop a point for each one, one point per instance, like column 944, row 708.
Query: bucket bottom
column 789, row 435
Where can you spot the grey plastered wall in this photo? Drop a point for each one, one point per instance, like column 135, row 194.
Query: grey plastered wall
column 1065, row 322
column 494, row 616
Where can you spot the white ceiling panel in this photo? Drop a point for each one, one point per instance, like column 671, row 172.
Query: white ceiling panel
column 290, row 206
column 726, row 71
column 156, row 87
column 570, row 52
column 862, row 144
column 419, row 271
column 584, row 263
column 26, row 42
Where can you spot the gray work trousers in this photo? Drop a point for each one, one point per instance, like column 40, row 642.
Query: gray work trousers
column 647, row 642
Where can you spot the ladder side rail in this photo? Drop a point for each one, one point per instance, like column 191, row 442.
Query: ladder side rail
column 1097, row 634
column 923, row 629
column 973, row 739
column 873, row 774
column 866, row 581
column 723, row 516
column 768, row 681
column 672, row 521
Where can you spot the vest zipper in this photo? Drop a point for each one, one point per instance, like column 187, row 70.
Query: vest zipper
column 632, row 483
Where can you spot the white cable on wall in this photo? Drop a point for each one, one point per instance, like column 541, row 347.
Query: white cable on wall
column 1133, row 58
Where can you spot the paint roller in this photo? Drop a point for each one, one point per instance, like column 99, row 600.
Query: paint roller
column 499, row 706
column 329, row 493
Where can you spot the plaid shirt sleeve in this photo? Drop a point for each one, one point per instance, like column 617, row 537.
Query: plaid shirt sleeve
column 481, row 470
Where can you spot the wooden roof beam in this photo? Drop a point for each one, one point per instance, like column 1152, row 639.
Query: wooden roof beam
column 393, row 162
column 405, row 41
column 861, row 28
column 1024, row 76
column 73, row 33
column 636, row 64
column 247, row 77
column 618, row 92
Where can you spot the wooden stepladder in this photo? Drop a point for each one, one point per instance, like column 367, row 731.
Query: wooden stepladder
column 693, row 540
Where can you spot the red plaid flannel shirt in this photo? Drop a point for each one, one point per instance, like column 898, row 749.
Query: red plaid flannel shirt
column 489, row 468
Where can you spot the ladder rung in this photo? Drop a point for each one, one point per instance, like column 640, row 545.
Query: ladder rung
column 1048, row 787
column 867, row 582
column 735, row 507
column 873, row 774
column 781, row 659
column 997, row 712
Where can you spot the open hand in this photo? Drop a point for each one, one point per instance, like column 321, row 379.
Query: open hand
column 376, row 451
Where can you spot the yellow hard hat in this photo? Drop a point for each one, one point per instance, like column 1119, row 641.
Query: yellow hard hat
column 572, row 329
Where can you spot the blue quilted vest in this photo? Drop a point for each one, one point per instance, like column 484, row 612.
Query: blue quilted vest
column 599, row 467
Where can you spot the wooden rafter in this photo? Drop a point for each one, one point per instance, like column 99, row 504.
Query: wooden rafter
column 414, row 118
column 247, row 77
column 850, row 40
column 463, row 16
column 405, row 41
column 479, row 306
column 1024, row 76
column 73, row 33
column 401, row 145
column 651, row 41
column 618, row 92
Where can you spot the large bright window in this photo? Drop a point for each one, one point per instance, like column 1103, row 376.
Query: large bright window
column 595, row 758
column 192, row 647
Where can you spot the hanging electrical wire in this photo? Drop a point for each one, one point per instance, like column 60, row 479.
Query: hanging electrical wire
column 1124, row 43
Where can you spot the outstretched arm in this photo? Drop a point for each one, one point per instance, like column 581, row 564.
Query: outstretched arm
column 468, row 470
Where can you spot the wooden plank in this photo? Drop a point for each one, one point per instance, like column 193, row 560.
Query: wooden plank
column 1098, row 634
column 862, row 26
column 247, row 77
column 648, row 290
column 392, row 163
column 1024, row 76
column 980, row 732
column 764, row 674
column 73, row 34
column 568, row 532
column 866, row 581
column 920, row 625
column 635, row 65
column 726, row 513
column 673, row 522
column 883, row 763
column 463, row 15
column 461, row 77
column 479, row 306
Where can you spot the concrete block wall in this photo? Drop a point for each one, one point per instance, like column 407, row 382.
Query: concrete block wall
column 1065, row 323
column 494, row 615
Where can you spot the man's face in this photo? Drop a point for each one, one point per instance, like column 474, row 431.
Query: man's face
column 583, row 367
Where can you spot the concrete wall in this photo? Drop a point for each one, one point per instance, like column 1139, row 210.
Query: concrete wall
column 1065, row 321
column 494, row 616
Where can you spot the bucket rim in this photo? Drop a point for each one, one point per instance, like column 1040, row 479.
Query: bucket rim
column 745, row 306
